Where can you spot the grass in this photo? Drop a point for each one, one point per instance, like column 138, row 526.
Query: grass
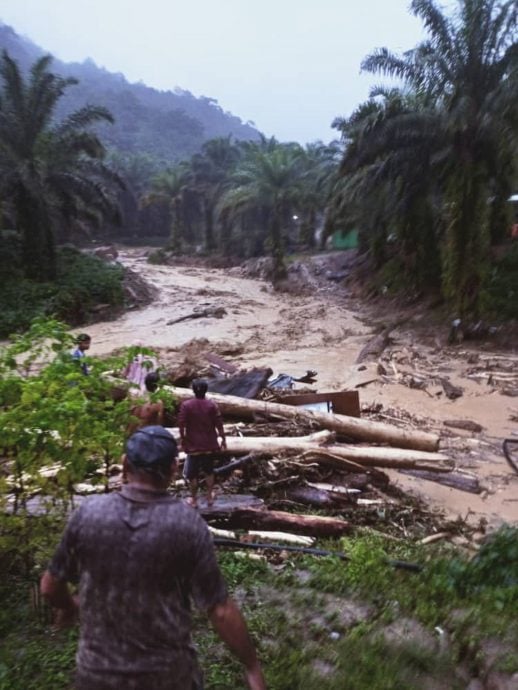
column 318, row 622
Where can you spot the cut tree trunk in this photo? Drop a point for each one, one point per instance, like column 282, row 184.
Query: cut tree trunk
column 364, row 456
column 361, row 429
column 251, row 518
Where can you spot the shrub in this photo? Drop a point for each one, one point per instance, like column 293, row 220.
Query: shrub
column 83, row 282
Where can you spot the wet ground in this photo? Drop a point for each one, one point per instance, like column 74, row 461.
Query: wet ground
column 323, row 328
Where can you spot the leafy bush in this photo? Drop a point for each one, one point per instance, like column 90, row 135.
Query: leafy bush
column 494, row 567
column 501, row 296
column 83, row 281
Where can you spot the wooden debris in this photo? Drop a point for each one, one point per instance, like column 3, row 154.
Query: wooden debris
column 434, row 537
column 214, row 312
column 361, row 455
column 312, row 496
column 252, row 518
column 361, row 429
column 324, row 457
column 283, row 537
column 375, row 347
column 456, row 480
column 452, row 392
column 465, row 424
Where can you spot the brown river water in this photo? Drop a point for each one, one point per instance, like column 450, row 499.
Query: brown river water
column 325, row 331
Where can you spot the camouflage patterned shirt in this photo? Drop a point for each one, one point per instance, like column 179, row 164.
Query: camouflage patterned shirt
column 139, row 557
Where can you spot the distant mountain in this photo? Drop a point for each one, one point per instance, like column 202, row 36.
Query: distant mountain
column 168, row 125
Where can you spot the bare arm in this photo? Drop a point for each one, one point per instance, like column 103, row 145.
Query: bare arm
column 229, row 624
column 181, row 426
column 58, row 595
column 218, row 423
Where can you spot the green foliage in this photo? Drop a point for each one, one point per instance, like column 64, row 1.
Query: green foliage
column 82, row 282
column 52, row 176
column 241, row 570
column 422, row 162
column 495, row 567
column 59, row 426
column 501, row 297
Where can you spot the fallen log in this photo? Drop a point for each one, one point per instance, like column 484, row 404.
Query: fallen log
column 455, row 480
column 363, row 456
column 322, row 457
column 252, row 518
column 375, row 346
column 311, row 496
column 361, row 429
column 214, row 312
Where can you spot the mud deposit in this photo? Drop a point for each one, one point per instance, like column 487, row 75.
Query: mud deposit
column 324, row 329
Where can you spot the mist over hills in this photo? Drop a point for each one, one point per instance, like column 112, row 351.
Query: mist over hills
column 168, row 125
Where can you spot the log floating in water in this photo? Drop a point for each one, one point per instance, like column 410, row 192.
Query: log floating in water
column 361, row 429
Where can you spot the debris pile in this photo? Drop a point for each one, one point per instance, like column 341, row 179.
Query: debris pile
column 293, row 451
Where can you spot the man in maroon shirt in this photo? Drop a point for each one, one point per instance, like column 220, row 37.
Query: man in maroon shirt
column 200, row 422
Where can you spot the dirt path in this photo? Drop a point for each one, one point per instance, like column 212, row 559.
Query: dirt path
column 325, row 332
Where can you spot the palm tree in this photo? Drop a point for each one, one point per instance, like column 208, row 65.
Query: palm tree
column 387, row 183
column 468, row 67
column 320, row 166
column 52, row 175
column 211, row 169
column 268, row 183
column 169, row 187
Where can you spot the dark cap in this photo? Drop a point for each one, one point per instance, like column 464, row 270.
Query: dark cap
column 151, row 447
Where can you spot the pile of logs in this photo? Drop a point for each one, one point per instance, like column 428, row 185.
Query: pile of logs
column 341, row 446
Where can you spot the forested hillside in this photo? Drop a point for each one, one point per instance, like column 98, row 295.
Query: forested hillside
column 169, row 125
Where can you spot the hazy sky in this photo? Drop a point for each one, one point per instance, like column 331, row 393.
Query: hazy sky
column 290, row 66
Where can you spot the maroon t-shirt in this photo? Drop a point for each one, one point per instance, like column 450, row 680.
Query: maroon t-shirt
column 200, row 421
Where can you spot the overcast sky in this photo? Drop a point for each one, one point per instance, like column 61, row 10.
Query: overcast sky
column 290, row 66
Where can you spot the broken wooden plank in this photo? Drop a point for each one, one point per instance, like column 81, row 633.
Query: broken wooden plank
column 361, row 429
column 343, row 402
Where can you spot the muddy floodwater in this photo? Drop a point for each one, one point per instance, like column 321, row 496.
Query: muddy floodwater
column 325, row 330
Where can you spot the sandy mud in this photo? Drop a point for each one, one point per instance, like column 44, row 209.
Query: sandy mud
column 324, row 329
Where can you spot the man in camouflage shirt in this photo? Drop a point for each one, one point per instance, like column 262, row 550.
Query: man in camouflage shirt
column 139, row 557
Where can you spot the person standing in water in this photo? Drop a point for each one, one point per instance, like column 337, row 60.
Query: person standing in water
column 200, row 422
